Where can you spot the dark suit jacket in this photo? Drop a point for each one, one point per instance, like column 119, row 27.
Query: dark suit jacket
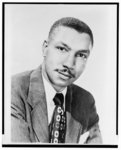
column 29, row 119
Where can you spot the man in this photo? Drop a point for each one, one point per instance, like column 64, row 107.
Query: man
column 65, row 52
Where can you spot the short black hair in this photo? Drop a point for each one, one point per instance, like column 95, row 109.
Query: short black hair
column 73, row 23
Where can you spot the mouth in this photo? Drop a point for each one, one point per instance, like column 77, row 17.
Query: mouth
column 65, row 75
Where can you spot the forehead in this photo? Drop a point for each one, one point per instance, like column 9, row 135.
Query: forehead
column 71, row 37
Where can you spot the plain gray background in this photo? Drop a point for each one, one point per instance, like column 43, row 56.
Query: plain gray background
column 26, row 27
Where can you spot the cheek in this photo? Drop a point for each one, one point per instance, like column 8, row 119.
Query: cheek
column 80, row 66
column 53, row 57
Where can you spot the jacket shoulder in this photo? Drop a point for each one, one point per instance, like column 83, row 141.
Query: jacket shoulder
column 20, row 81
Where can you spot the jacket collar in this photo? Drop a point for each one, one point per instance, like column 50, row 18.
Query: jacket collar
column 36, row 88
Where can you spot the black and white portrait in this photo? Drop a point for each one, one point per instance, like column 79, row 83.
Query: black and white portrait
column 60, row 73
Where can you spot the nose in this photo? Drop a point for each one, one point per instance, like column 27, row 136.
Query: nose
column 69, row 62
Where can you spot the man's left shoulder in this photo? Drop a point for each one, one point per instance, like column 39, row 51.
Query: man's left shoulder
column 81, row 95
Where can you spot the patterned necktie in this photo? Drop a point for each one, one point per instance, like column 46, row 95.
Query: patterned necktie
column 58, row 123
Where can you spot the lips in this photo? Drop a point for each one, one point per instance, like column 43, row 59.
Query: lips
column 66, row 75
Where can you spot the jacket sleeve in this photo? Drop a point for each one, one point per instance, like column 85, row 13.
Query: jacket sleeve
column 94, row 135
column 93, row 126
column 19, row 126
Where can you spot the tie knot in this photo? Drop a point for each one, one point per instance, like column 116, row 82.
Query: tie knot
column 58, row 99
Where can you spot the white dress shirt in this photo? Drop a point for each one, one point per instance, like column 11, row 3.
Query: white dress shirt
column 50, row 94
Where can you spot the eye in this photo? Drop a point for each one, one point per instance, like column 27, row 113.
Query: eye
column 61, row 48
column 84, row 56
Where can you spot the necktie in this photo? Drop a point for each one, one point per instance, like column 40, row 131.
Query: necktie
column 58, row 123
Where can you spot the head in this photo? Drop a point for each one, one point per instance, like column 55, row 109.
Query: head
column 66, row 51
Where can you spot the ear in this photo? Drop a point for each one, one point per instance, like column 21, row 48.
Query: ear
column 44, row 48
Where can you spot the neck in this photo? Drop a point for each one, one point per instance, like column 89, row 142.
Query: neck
column 57, row 88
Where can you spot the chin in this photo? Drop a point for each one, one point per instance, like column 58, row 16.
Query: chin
column 63, row 84
column 60, row 83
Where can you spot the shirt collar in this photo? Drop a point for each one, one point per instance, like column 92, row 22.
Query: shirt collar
column 50, row 91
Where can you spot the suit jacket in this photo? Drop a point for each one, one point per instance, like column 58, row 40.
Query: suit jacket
column 29, row 119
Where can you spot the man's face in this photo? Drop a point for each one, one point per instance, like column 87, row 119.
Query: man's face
column 65, row 56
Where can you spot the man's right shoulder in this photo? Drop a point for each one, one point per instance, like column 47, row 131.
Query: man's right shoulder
column 21, row 78
column 20, row 82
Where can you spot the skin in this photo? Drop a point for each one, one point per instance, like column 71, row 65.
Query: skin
column 65, row 57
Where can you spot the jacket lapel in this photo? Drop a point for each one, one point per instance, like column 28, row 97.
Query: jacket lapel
column 37, row 100
column 74, row 128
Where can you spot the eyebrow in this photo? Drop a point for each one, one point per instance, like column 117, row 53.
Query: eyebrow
column 65, row 45
column 82, row 50
column 85, row 51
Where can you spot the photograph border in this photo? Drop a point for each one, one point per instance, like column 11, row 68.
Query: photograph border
column 3, row 74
